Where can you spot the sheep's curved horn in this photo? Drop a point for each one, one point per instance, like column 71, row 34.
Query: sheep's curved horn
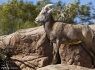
column 48, row 5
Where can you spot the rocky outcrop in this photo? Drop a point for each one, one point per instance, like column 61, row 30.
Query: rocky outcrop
column 75, row 55
column 30, row 62
column 63, row 67
column 29, row 49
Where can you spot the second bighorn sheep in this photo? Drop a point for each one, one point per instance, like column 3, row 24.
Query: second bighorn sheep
column 63, row 33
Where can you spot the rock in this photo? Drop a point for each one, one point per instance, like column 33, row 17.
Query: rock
column 92, row 27
column 75, row 55
column 22, row 41
column 63, row 67
column 29, row 45
column 29, row 49
column 30, row 62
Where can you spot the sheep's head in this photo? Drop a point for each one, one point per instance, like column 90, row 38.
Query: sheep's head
column 44, row 15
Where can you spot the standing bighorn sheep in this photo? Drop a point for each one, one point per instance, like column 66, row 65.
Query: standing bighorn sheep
column 59, row 32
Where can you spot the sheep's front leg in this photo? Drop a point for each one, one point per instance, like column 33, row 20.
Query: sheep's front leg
column 56, row 52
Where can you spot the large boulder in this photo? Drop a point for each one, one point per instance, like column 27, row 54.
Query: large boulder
column 75, row 54
column 63, row 67
column 29, row 49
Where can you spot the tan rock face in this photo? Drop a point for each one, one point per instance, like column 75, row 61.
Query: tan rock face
column 63, row 67
column 30, row 49
column 30, row 62
column 75, row 55
column 28, row 41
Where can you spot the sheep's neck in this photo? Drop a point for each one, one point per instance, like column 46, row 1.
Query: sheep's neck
column 49, row 24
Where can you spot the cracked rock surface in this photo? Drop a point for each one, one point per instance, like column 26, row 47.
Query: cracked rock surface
column 30, row 49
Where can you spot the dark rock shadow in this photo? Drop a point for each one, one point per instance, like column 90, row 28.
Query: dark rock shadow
column 8, row 64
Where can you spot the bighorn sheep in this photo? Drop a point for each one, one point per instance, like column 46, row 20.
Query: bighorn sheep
column 59, row 32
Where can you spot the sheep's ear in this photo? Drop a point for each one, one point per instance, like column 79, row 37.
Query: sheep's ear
column 50, row 10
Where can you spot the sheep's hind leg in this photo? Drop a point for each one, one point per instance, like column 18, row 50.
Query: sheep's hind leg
column 90, row 53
